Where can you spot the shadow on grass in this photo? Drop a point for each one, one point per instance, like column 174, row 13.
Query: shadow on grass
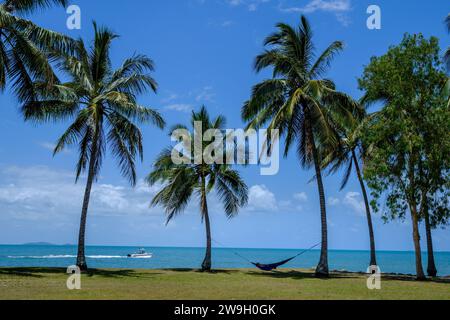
column 395, row 277
column 41, row 272
column 38, row 272
column 297, row 275
column 186, row 270
column 31, row 272
column 126, row 273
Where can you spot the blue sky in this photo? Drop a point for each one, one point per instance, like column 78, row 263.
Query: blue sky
column 203, row 51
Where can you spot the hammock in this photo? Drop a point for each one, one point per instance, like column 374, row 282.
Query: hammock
column 274, row 266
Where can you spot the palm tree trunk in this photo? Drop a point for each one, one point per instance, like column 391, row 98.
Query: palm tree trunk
column 206, row 265
column 431, row 269
column 81, row 256
column 373, row 257
column 322, row 269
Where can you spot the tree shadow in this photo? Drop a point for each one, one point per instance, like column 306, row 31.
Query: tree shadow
column 31, row 272
column 293, row 274
column 37, row 272
column 299, row 275
column 187, row 270
column 125, row 273
column 412, row 278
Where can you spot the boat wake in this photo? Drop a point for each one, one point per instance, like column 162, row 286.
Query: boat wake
column 66, row 257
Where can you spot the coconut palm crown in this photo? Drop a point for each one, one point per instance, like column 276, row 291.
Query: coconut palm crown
column 26, row 50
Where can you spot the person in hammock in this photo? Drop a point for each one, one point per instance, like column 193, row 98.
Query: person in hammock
column 272, row 267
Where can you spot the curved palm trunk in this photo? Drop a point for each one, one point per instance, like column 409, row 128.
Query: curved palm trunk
column 431, row 269
column 322, row 269
column 373, row 257
column 206, row 265
column 81, row 256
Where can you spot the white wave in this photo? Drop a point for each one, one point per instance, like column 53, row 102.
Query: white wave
column 66, row 257
column 43, row 257
column 106, row 257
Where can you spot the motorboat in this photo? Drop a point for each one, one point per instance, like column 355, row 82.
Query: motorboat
column 141, row 253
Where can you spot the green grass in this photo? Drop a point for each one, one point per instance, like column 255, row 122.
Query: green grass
column 48, row 283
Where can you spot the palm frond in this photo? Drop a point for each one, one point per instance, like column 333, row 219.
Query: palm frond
column 232, row 190
column 175, row 196
column 126, row 142
column 76, row 131
column 99, row 58
column 323, row 63
column 28, row 6
column 137, row 64
column 49, row 110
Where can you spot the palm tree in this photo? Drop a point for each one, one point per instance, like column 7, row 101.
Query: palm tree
column 25, row 48
column 349, row 152
column 102, row 104
column 182, row 181
column 297, row 101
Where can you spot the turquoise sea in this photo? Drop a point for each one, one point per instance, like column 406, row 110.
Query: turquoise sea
column 116, row 257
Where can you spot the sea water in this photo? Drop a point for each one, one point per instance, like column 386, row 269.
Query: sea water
column 168, row 258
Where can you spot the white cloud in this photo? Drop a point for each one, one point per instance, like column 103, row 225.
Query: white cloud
column 227, row 23
column 252, row 5
column 205, row 95
column 40, row 193
column 171, row 97
column 186, row 102
column 261, row 198
column 333, row 201
column 301, row 196
column 180, row 107
column 338, row 7
column 353, row 200
column 322, row 5
column 51, row 147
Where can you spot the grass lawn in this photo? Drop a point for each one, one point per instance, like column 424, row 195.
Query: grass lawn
column 50, row 283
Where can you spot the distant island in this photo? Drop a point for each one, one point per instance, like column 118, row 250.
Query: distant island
column 45, row 244
column 38, row 244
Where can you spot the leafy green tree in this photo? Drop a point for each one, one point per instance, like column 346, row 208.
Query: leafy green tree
column 102, row 104
column 298, row 101
column 25, row 48
column 193, row 177
column 408, row 78
column 349, row 153
column 434, row 173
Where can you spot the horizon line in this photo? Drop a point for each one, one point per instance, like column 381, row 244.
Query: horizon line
column 37, row 244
